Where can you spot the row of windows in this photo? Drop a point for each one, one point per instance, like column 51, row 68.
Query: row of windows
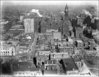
column 50, row 62
column 6, row 53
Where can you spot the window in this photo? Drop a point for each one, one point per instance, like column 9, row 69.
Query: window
column 5, row 52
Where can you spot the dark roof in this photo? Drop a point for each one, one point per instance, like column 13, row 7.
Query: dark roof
column 23, row 44
column 69, row 64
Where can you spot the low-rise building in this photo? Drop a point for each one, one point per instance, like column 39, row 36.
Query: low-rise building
column 7, row 50
column 63, row 43
column 51, row 30
column 42, row 56
column 58, row 56
column 96, row 35
column 70, row 65
column 51, row 65
column 79, row 44
column 91, row 52
column 57, row 35
column 25, row 44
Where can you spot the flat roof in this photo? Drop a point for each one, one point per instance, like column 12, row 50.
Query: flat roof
column 69, row 64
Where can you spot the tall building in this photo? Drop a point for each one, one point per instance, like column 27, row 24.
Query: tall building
column 65, row 22
column 29, row 25
column 66, row 11
column 21, row 18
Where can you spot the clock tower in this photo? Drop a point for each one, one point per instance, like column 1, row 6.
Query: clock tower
column 66, row 10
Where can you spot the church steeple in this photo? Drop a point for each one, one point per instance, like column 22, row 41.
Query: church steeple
column 66, row 10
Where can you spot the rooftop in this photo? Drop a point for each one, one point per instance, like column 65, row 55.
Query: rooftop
column 69, row 64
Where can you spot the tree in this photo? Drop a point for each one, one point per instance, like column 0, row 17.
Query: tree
column 1, row 60
column 11, row 14
column 62, row 20
column 13, row 64
column 92, row 10
column 87, row 21
column 7, row 37
column 59, row 29
column 88, row 33
column 57, row 48
column 39, row 29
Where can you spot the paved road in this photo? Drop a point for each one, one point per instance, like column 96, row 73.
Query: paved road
column 32, row 47
column 29, row 65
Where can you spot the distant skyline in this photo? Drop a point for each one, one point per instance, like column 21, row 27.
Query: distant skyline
column 54, row 2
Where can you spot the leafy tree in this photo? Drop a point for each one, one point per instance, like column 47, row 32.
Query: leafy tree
column 1, row 65
column 11, row 14
column 39, row 29
column 57, row 48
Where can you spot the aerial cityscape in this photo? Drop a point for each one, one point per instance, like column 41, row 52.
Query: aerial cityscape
column 49, row 39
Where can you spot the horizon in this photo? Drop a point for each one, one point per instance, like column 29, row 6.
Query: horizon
column 68, row 2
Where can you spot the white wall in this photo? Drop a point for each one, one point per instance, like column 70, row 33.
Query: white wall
column 57, row 35
column 29, row 25
column 7, row 51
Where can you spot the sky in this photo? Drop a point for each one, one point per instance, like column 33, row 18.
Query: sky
column 52, row 2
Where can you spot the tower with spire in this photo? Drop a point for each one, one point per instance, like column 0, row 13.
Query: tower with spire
column 66, row 10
